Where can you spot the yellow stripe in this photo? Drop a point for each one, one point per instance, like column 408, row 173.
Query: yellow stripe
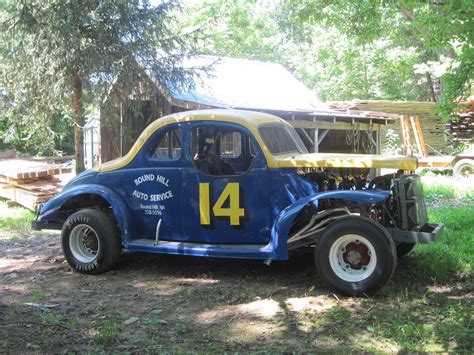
column 330, row 160
column 251, row 120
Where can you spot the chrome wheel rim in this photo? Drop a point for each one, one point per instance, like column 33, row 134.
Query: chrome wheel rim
column 84, row 243
column 352, row 258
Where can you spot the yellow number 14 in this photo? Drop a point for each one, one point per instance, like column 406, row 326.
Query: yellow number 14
column 231, row 192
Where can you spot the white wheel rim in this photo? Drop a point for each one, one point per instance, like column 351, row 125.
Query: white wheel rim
column 84, row 243
column 352, row 258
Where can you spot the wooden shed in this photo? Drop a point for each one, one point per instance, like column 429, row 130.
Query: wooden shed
column 237, row 84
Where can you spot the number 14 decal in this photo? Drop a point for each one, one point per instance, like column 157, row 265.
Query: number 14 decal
column 231, row 193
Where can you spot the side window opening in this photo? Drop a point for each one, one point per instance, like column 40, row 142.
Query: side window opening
column 167, row 146
column 231, row 145
column 221, row 151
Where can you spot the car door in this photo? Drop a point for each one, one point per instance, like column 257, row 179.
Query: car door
column 225, row 190
column 154, row 187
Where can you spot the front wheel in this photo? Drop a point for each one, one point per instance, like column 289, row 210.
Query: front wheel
column 91, row 241
column 354, row 256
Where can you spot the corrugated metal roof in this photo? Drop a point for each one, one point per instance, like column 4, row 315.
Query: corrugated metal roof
column 246, row 84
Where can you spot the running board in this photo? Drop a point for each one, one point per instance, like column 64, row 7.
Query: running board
column 236, row 251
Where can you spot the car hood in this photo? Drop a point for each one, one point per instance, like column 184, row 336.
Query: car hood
column 342, row 160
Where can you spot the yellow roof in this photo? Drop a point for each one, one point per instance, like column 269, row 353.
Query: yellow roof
column 251, row 120
column 248, row 119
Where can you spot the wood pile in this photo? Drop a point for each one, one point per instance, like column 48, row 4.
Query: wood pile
column 29, row 183
column 412, row 108
column 431, row 125
column 462, row 130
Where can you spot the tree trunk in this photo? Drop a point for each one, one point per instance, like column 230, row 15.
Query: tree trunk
column 431, row 87
column 78, row 119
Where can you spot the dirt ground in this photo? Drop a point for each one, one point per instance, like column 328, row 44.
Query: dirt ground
column 181, row 304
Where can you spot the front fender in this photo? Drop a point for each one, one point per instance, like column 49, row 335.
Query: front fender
column 284, row 221
column 49, row 211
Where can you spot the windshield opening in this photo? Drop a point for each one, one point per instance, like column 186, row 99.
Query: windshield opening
column 281, row 139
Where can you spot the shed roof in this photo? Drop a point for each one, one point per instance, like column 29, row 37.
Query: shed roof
column 245, row 84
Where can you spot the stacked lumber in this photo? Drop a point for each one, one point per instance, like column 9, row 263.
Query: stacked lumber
column 29, row 183
column 419, row 108
column 462, row 129
column 431, row 125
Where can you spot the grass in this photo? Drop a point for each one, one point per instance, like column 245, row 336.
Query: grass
column 442, row 187
column 15, row 218
column 454, row 253
column 451, row 202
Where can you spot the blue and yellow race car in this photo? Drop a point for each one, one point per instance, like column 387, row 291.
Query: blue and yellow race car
column 241, row 184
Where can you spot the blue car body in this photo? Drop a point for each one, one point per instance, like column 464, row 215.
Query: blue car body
column 158, row 206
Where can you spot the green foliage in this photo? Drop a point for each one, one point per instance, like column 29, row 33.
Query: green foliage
column 241, row 29
column 320, row 46
column 440, row 33
column 340, row 68
column 54, row 53
column 53, row 137
column 394, row 143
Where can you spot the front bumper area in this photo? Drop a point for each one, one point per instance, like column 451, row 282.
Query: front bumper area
column 429, row 233
column 39, row 225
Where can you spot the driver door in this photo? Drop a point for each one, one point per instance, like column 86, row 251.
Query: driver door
column 225, row 191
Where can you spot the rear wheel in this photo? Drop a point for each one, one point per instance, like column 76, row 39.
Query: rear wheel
column 355, row 256
column 91, row 241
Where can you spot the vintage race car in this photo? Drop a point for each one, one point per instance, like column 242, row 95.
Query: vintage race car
column 241, row 184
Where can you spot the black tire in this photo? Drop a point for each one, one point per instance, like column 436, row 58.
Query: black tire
column 464, row 167
column 404, row 248
column 363, row 274
column 91, row 241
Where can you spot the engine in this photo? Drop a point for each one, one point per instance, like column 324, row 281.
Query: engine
column 404, row 208
column 338, row 179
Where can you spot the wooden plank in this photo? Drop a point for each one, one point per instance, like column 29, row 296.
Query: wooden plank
column 418, row 133
column 25, row 198
column 329, row 125
column 322, row 134
column 24, row 169
column 38, row 186
column 316, row 140
column 406, row 138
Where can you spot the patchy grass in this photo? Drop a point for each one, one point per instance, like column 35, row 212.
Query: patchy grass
column 15, row 218
column 451, row 202
column 454, row 253
column 441, row 187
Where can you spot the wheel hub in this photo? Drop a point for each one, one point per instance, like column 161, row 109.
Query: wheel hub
column 84, row 243
column 356, row 255
column 89, row 240
column 353, row 257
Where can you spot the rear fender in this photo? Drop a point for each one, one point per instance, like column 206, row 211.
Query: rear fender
column 281, row 226
column 49, row 211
